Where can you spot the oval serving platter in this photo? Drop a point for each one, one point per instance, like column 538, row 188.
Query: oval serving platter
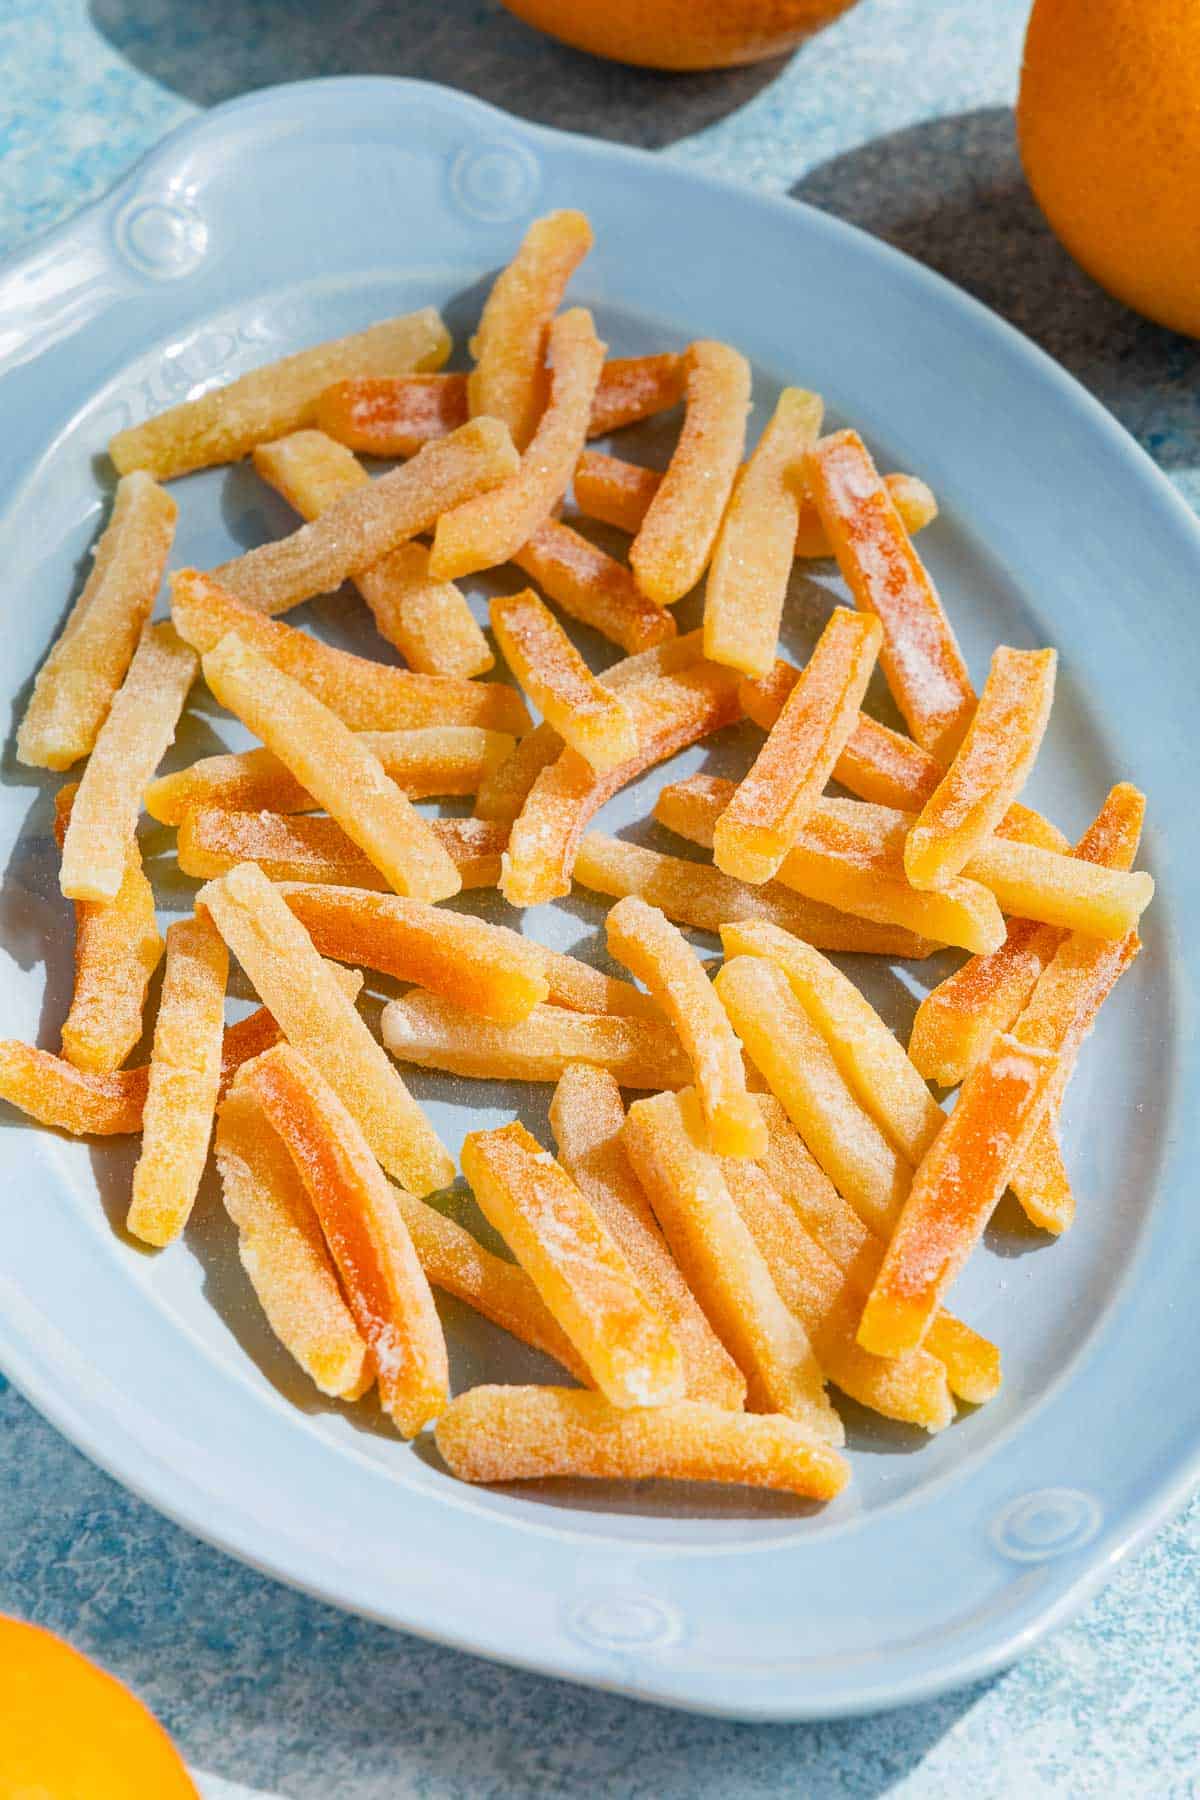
column 305, row 212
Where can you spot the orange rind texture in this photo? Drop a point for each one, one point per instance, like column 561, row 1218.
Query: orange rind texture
column 576, row 1266
column 652, row 949
column 385, row 1286
column 587, row 1117
column 531, row 1433
column 722, row 1264
column 89, row 660
column 316, row 1016
column 304, row 847
column 760, row 824
column 593, row 587
column 226, row 423
column 676, row 537
column 633, row 388
column 334, row 765
column 382, row 417
column 490, row 527
column 54, row 1092
column 372, row 519
column 920, row 655
column 184, row 1080
column 587, row 716
column 133, row 739
column 1062, row 890
column 754, row 551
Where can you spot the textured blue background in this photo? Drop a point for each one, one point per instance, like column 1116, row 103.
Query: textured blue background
column 899, row 117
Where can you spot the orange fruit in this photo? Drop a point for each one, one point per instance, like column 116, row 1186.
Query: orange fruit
column 680, row 34
column 1109, row 127
column 68, row 1731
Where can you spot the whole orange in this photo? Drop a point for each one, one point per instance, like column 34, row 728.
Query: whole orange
column 1109, row 126
column 68, row 1731
column 680, row 34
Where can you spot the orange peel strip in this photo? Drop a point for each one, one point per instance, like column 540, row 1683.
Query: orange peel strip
column 676, row 537
column 428, row 621
column 56, row 1093
column 801, row 1071
column 912, row 1388
column 283, row 1251
column 1033, row 883
column 365, row 695
column 258, row 1031
column 756, row 830
column 494, row 1434
column 291, row 847
column 635, row 387
column 588, row 716
column 696, row 894
column 955, row 1191
column 227, row 422
column 509, row 379
column 382, row 417
column 489, row 528
column 75, row 686
column 577, row 1268
column 335, row 766
column 593, row 587
column 385, row 1286
column 722, row 1264
column 117, row 949
column 185, row 1076
column 586, row 1117
column 657, row 953
column 755, row 548
column 913, row 499
column 133, row 739
column 431, row 1032
column 358, row 530
column 313, row 1012
column 989, row 770
column 920, row 656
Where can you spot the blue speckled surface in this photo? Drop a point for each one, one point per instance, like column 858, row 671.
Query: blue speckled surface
column 897, row 118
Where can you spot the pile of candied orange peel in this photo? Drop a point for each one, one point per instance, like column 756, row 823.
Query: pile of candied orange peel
column 785, row 1208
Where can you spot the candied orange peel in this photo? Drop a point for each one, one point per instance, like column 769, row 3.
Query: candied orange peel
column 592, row 587
column 588, row 716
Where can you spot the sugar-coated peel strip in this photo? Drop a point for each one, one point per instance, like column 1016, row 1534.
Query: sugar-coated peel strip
column 668, row 715
column 54, row 1092
column 1041, row 1183
column 428, row 621
column 722, row 1264
column 588, row 716
column 676, row 537
column 117, row 949
column 696, row 894
column 228, row 422
column 576, row 1266
column 483, row 968
column 302, row 847
column 492, row 1434
column 619, row 493
column 955, row 1190
column 593, row 587
column 989, row 769
column 138, row 730
column 1033, row 883
column 75, row 685
column 185, row 1076
column 958, row 1019
column 335, row 766
column 489, row 528
column 760, row 824
column 863, row 1046
column 316, row 1016
column 283, row 1251
column 847, row 856
column 657, row 953
column 799, row 1067
column 423, row 1029
column 509, row 346
column 920, row 656
column 385, row 1286
column 912, row 1388
column 435, row 759
column 382, row 417
column 753, row 555
column 358, row 530
column 587, row 1117
column 633, row 388
column 258, row 1031
column 971, row 1362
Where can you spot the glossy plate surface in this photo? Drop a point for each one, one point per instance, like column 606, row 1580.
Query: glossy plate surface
column 308, row 211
